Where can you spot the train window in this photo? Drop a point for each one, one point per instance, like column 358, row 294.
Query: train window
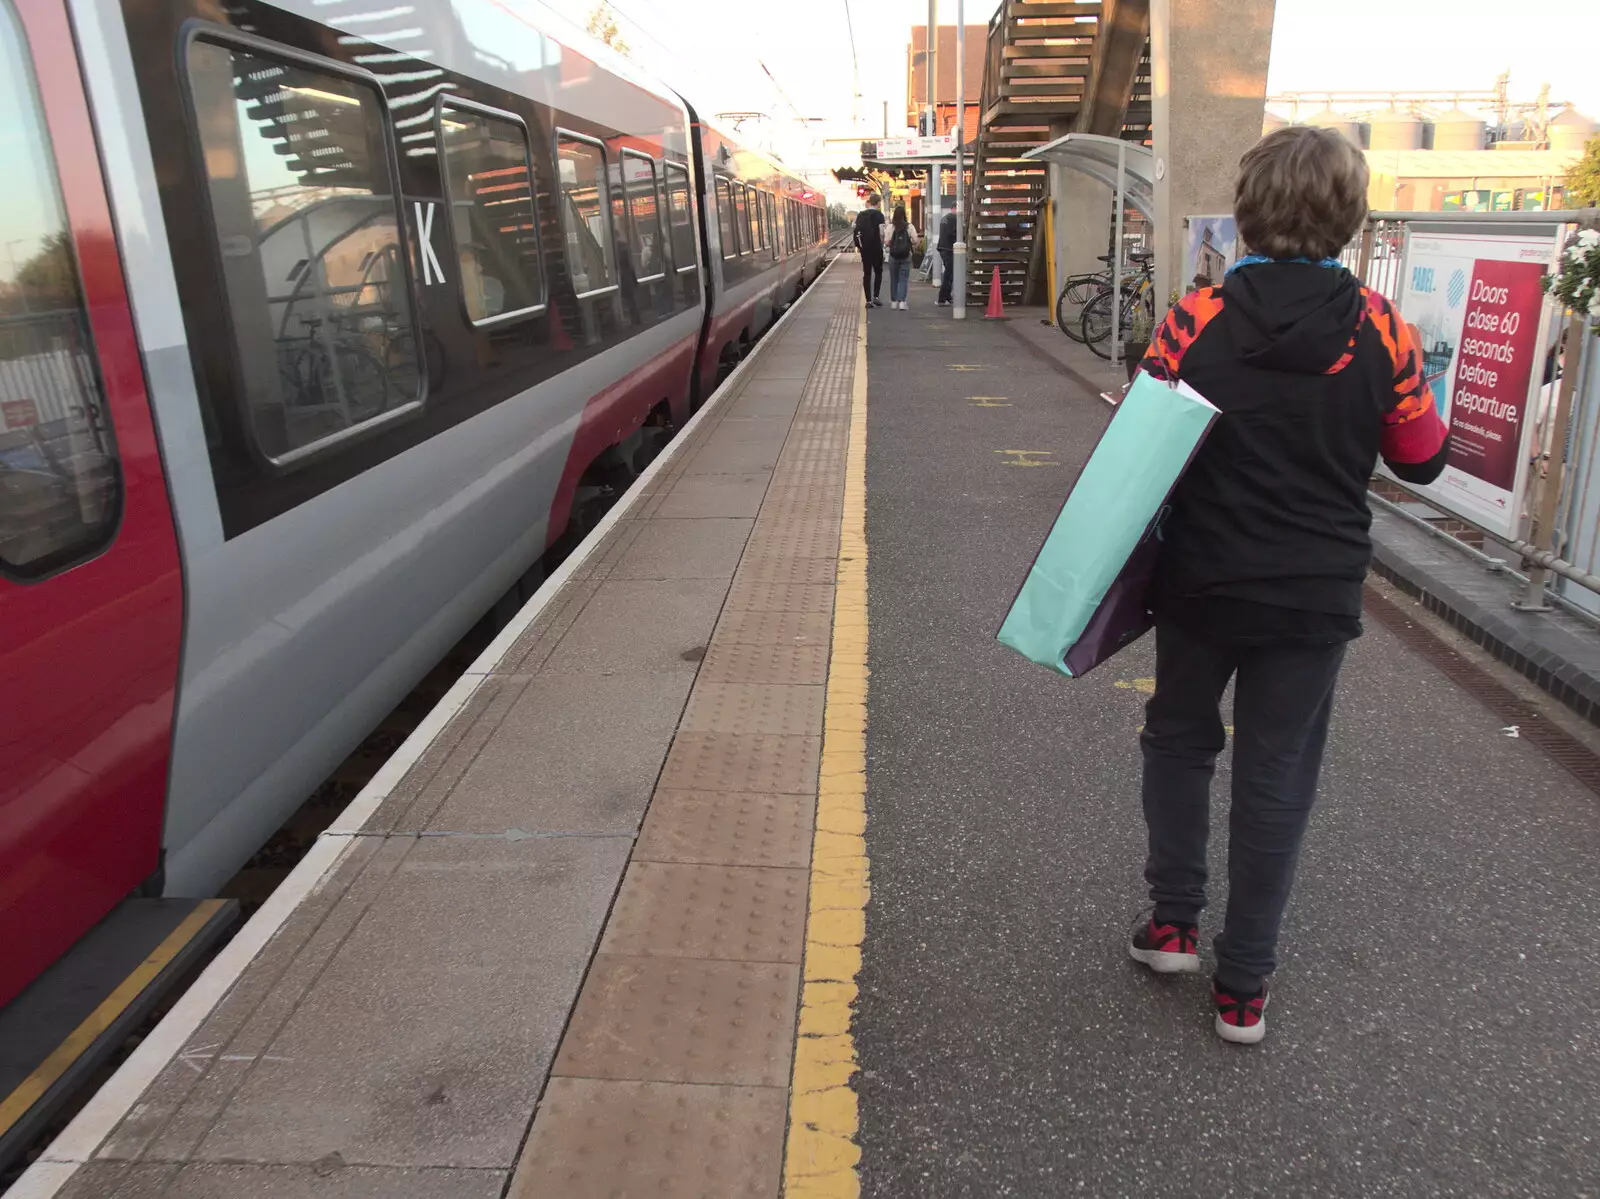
column 627, row 259
column 639, row 185
column 726, row 219
column 59, row 479
column 302, row 195
column 591, row 252
column 679, row 214
column 741, row 208
column 488, row 172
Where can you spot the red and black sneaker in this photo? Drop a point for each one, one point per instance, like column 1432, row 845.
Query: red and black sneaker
column 1239, row 1017
column 1166, row 948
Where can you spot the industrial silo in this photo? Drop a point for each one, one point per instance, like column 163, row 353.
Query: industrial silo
column 1396, row 131
column 1457, row 130
column 1271, row 122
column 1570, row 129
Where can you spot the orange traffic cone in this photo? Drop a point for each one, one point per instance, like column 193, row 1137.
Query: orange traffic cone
column 996, row 310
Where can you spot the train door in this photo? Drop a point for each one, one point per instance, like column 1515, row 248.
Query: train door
column 90, row 590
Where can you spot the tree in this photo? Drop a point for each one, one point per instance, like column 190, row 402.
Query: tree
column 1583, row 180
column 47, row 280
column 604, row 26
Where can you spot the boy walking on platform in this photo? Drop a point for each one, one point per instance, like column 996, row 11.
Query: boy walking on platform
column 1266, row 547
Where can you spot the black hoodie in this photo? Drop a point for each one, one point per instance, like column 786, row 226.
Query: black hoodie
column 1315, row 375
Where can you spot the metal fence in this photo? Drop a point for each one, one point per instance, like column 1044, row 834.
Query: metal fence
column 46, row 368
column 1559, row 540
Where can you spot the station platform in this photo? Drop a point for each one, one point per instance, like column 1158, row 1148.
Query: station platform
column 745, row 862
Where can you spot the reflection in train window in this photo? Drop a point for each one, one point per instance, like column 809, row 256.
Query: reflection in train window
column 741, row 208
column 302, row 198
column 489, row 175
column 726, row 220
column 639, row 184
column 59, row 480
column 679, row 214
column 591, row 254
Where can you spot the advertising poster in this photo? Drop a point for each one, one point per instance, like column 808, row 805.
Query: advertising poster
column 1476, row 300
column 1213, row 247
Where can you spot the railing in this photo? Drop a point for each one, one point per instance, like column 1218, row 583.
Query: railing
column 1559, row 523
column 993, row 58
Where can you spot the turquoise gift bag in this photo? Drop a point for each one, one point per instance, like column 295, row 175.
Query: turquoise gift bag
column 1084, row 597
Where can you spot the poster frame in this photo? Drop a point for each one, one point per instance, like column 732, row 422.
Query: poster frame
column 1518, row 514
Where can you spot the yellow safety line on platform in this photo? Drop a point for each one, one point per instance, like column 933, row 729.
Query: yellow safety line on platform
column 821, row 1158
column 31, row 1089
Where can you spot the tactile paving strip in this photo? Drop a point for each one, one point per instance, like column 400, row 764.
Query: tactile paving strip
column 603, row 1139
column 683, row 1020
column 733, row 913
column 753, row 708
column 733, row 663
column 805, row 571
column 697, row 981
column 755, row 627
column 780, row 597
column 731, row 828
column 800, row 539
column 743, row 762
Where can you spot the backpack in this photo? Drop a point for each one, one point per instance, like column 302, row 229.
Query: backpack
column 900, row 243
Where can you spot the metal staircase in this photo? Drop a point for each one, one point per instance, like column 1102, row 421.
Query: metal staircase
column 1050, row 67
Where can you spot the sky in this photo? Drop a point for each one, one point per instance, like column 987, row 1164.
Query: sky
column 791, row 59
column 703, row 47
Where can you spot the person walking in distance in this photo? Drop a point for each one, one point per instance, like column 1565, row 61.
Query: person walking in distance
column 868, row 239
column 1265, row 548
column 947, row 253
column 902, row 238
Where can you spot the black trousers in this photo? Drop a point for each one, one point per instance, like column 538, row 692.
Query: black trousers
column 872, row 273
column 947, row 279
column 1283, row 698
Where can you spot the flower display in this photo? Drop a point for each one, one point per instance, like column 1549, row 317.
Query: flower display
column 1576, row 282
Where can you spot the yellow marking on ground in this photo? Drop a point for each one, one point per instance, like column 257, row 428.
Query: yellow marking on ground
column 1145, row 686
column 988, row 401
column 1227, row 728
column 1028, row 457
column 31, row 1089
column 821, row 1156
column 965, row 366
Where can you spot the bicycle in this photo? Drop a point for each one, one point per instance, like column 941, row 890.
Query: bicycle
column 1095, row 323
column 346, row 378
column 1077, row 292
column 1080, row 289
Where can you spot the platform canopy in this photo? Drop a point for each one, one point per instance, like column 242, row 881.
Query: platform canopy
column 1096, row 156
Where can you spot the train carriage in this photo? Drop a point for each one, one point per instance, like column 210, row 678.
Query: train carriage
column 325, row 320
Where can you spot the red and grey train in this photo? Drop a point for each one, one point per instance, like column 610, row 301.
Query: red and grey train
column 319, row 321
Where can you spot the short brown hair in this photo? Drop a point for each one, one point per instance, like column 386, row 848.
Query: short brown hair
column 1302, row 193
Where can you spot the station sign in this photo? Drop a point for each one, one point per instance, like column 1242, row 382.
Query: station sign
column 890, row 148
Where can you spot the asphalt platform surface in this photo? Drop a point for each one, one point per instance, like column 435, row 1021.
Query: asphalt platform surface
column 1435, row 1027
